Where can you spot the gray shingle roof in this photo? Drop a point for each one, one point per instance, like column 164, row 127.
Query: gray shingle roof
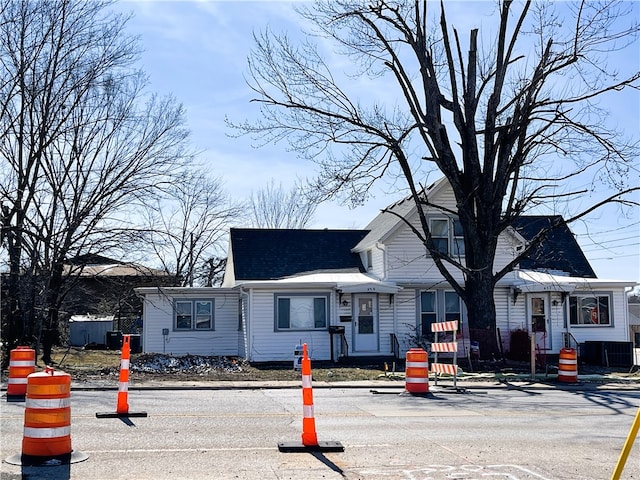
column 267, row 254
column 558, row 251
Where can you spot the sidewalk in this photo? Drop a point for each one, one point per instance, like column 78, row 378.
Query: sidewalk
column 468, row 381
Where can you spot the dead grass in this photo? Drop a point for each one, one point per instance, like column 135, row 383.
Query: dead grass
column 78, row 359
column 91, row 364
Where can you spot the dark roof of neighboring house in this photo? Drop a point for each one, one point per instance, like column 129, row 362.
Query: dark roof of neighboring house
column 92, row 259
column 267, row 254
column 559, row 251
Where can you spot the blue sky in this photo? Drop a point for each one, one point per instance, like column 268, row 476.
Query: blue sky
column 197, row 51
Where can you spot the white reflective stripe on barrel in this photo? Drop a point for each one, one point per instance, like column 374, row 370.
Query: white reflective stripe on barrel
column 47, row 432
column 48, row 403
column 22, row 380
column 124, row 364
column 22, row 363
column 417, row 380
column 307, row 411
column 417, row 364
column 123, row 386
column 567, row 362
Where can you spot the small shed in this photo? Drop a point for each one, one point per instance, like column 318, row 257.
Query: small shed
column 85, row 329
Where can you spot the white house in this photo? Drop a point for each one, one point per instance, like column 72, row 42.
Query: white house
column 372, row 292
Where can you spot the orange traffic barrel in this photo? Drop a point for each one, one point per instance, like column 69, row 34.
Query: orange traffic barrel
column 22, row 363
column 47, row 421
column 47, row 416
column 417, row 371
column 568, row 365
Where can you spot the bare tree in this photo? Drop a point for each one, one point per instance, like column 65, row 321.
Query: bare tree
column 81, row 146
column 515, row 123
column 188, row 228
column 275, row 207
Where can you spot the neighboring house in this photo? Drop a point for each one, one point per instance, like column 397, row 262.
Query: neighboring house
column 372, row 292
column 107, row 287
column 634, row 319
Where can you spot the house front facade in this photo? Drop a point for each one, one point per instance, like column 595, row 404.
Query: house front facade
column 375, row 292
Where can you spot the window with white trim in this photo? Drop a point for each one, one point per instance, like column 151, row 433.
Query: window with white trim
column 301, row 312
column 452, row 307
column 428, row 313
column 590, row 309
column 193, row 315
column 447, row 236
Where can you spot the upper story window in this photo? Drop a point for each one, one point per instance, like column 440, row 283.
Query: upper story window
column 301, row 312
column 447, row 236
column 193, row 315
column 589, row 309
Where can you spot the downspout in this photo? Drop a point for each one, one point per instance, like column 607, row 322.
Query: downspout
column 247, row 322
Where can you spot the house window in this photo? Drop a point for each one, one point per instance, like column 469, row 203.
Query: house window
column 589, row 310
column 440, row 235
column 193, row 315
column 458, row 239
column 301, row 312
column 428, row 313
column 447, row 236
column 452, row 307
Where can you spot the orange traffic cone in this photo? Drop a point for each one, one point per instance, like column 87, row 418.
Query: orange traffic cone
column 309, row 437
column 122, row 407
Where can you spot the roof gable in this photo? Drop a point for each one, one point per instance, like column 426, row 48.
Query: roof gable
column 558, row 252
column 266, row 254
column 391, row 218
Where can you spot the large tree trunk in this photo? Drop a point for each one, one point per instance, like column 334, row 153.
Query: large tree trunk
column 481, row 312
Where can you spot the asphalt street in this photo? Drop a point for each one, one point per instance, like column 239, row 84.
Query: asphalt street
column 513, row 433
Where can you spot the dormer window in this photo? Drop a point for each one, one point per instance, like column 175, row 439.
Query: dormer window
column 446, row 234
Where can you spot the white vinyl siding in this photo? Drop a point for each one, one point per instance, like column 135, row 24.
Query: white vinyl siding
column 159, row 315
column 265, row 344
column 385, row 322
column 617, row 331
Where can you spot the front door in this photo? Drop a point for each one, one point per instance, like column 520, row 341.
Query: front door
column 539, row 324
column 365, row 324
